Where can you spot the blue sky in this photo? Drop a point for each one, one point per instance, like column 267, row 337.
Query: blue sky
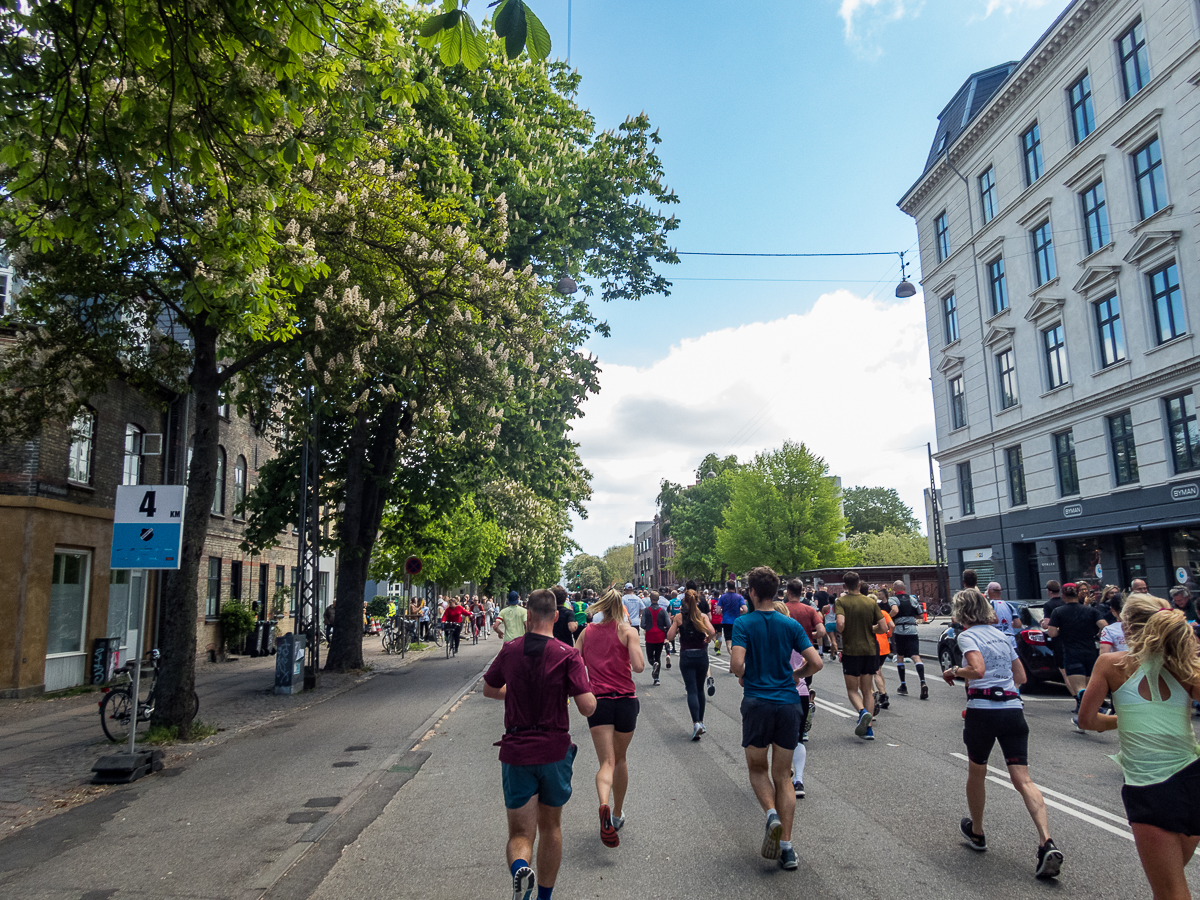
column 787, row 127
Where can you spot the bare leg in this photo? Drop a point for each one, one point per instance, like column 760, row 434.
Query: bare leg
column 602, row 740
column 549, row 851
column 1033, row 800
column 854, row 691
column 758, row 763
column 785, row 794
column 621, row 741
column 977, row 795
column 522, row 829
column 1164, row 855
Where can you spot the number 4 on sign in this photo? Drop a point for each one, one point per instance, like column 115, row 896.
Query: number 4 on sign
column 148, row 506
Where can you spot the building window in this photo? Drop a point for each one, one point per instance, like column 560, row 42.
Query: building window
column 1007, row 369
column 958, row 403
column 1055, row 343
column 1108, row 326
column 132, row 471
column 950, row 309
column 966, row 490
column 1135, row 63
column 1043, row 254
column 68, row 608
column 218, row 504
column 987, row 193
column 1185, row 437
column 213, row 603
column 1031, row 146
column 239, row 484
column 1095, row 217
column 1083, row 116
column 941, row 230
column 83, row 442
column 235, row 580
column 997, row 286
column 1016, row 476
column 6, row 292
column 1168, row 302
column 294, row 604
column 1124, row 450
column 1068, row 471
column 1151, row 180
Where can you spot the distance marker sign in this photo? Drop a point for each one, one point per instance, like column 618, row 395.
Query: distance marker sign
column 147, row 526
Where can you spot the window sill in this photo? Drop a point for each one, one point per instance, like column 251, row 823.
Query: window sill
column 997, row 315
column 216, row 515
column 1083, row 263
column 1008, row 409
column 1124, row 488
column 946, row 347
column 1045, row 285
column 1164, row 213
column 1061, row 387
column 80, row 486
column 958, row 429
column 1186, row 336
column 1110, row 368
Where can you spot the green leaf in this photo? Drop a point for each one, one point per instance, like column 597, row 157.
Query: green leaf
column 511, row 25
column 434, row 24
column 539, row 37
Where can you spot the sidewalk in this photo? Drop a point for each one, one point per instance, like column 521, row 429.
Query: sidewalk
column 49, row 745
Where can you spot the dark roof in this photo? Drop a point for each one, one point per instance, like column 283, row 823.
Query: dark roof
column 970, row 99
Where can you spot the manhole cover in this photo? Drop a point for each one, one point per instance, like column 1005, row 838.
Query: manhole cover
column 305, row 818
column 323, row 802
column 345, row 764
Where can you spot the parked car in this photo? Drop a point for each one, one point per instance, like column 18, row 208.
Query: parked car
column 1032, row 648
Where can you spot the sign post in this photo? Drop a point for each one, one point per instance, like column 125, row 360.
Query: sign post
column 147, row 534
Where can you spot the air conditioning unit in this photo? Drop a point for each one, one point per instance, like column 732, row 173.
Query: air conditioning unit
column 152, row 444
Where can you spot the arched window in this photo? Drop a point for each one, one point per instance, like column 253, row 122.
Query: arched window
column 239, row 483
column 83, row 439
column 132, row 471
column 218, row 504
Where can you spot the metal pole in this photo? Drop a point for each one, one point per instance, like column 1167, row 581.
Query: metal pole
column 137, row 671
column 943, row 575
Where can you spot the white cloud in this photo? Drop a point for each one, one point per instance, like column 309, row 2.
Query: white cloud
column 863, row 18
column 1008, row 7
column 850, row 378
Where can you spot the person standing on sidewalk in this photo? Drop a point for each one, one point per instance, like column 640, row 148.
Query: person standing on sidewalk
column 995, row 713
column 761, row 658
column 534, row 675
column 905, row 638
column 510, row 624
column 656, row 622
column 859, row 619
column 611, row 650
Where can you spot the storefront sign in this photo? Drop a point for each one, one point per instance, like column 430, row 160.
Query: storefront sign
column 982, row 553
column 147, row 526
column 1074, row 511
column 1185, row 492
column 1181, row 575
column 1099, row 570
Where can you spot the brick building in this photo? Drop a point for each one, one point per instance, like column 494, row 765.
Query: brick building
column 57, row 493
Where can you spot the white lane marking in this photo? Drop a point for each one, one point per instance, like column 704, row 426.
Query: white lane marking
column 835, row 709
column 1070, row 810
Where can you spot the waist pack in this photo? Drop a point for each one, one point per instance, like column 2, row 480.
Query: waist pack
column 996, row 693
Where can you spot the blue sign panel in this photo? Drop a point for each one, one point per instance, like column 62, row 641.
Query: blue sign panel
column 137, row 546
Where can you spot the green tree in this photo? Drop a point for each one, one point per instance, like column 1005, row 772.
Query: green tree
column 618, row 564
column 890, row 548
column 458, row 546
column 875, row 509
column 590, row 579
column 574, row 567
column 145, row 152
column 783, row 513
column 457, row 38
column 693, row 514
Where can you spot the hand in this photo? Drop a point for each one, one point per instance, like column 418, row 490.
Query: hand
column 948, row 676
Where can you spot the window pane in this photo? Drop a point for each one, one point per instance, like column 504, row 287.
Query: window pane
column 950, row 305
column 1031, row 143
column 966, row 490
column 1056, row 357
column 998, row 286
column 1120, row 433
column 1135, row 62
column 1108, row 325
column 1151, row 179
column 1083, row 118
column 1043, row 254
column 1168, row 302
column 1008, row 379
column 987, row 191
column 79, row 456
column 1185, row 436
column 218, row 504
column 1068, row 473
column 68, row 603
column 1016, row 476
column 1095, row 217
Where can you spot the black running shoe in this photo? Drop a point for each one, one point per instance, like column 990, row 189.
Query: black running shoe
column 712, row 686
column 1049, row 861
column 903, row 689
column 977, row 841
column 924, row 691
column 657, row 668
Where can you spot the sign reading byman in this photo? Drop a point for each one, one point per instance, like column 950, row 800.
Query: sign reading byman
column 1073, row 511
column 1185, row 492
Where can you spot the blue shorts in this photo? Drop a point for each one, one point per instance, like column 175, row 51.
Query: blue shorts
column 550, row 782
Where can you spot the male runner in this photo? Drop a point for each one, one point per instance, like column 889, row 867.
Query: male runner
column 1006, row 619
column 534, row 675
column 859, row 619
column 633, row 607
column 760, row 656
column 565, row 626
column 510, row 624
column 1076, row 626
column 905, row 639
column 810, row 621
column 732, row 605
column 1054, row 592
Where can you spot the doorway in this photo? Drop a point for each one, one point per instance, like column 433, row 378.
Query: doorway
column 66, row 657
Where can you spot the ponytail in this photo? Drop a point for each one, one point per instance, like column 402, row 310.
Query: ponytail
column 691, row 610
column 1153, row 627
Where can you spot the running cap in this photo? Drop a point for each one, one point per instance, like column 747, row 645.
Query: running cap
column 993, row 586
column 629, row 585
column 513, row 598
column 1071, row 584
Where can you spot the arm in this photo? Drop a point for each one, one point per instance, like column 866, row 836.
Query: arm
column 579, row 643
column 1098, row 687
column 1018, row 673
column 819, row 631
column 572, row 625
column 811, row 666
column 841, row 623
column 637, row 660
column 737, row 661
column 674, row 629
column 586, row 704
column 1052, row 631
column 974, row 668
column 492, row 692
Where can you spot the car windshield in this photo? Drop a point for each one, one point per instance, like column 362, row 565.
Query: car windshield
column 1032, row 616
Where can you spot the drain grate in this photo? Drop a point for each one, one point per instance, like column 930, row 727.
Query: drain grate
column 345, row 764
column 305, row 818
column 323, row 802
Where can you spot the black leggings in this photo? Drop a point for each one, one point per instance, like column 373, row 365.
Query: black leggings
column 654, row 654
column 693, row 666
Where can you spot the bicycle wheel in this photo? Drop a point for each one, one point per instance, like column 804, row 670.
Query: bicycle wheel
column 449, row 641
column 436, row 635
column 115, row 715
column 403, row 641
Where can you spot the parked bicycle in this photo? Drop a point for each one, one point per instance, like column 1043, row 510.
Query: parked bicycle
column 396, row 636
column 116, row 709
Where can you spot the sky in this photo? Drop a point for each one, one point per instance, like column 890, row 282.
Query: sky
column 792, row 127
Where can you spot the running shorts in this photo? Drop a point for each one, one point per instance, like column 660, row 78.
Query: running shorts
column 619, row 712
column 727, row 632
column 982, row 728
column 854, row 666
column 1077, row 663
column 1172, row 805
column 765, row 723
column 906, row 645
column 550, row 782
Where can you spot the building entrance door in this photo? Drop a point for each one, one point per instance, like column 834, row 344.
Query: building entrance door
column 66, row 657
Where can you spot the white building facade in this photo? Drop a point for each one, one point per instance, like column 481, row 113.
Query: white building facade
column 1057, row 216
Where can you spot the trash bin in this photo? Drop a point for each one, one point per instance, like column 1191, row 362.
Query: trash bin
column 105, row 651
column 289, row 664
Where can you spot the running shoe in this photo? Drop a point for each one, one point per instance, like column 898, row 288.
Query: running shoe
column 668, row 661
column 703, row 730
column 903, row 689
column 712, row 686
column 977, row 841
column 608, row 833
column 875, row 701
column 864, row 724
column 808, row 718
column 1049, row 861
column 696, row 731
column 770, row 844
column 787, row 859
column 885, row 702
column 870, row 735
column 924, row 691
column 618, row 822
column 524, row 884
column 1075, row 722
column 799, row 786
column 655, row 671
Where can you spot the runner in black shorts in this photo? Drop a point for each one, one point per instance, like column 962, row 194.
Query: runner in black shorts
column 905, row 641
column 995, row 713
column 859, row 619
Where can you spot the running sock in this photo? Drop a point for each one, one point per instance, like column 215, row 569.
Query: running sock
column 900, row 669
column 920, row 672
column 799, row 758
column 516, row 865
column 545, row 892
column 771, row 812
column 785, row 845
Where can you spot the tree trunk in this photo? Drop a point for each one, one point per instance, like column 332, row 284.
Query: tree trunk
column 370, row 464
column 177, row 679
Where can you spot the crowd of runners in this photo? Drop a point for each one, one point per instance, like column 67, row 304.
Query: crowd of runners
column 584, row 650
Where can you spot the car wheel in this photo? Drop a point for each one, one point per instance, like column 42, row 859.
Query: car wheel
column 946, row 659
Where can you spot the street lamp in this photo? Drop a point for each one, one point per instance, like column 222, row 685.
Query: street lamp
column 905, row 288
column 566, row 285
